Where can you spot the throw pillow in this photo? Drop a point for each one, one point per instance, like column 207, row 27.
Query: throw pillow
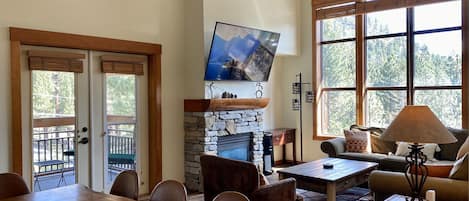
column 442, row 171
column 357, row 141
column 463, row 150
column 450, row 151
column 377, row 144
column 460, row 167
column 428, row 150
column 381, row 146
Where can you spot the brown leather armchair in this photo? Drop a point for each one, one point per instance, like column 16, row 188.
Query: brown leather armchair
column 221, row 174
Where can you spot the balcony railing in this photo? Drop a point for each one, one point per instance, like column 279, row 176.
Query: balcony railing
column 60, row 146
column 50, row 146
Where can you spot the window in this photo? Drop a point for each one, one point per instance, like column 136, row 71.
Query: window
column 408, row 56
column 338, row 74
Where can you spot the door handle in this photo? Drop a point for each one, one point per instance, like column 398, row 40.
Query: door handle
column 84, row 140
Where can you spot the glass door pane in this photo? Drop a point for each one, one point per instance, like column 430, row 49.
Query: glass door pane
column 121, row 125
column 53, row 136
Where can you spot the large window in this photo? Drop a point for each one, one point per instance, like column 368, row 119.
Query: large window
column 338, row 72
column 407, row 56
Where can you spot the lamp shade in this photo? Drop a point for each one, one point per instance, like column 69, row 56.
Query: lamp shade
column 418, row 124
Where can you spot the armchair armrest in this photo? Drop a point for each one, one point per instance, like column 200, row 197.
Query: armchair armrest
column 333, row 147
column 384, row 184
column 283, row 190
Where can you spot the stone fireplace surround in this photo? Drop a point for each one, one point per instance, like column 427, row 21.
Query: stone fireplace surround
column 202, row 130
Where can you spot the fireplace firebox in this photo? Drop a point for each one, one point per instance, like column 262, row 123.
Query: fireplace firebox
column 236, row 147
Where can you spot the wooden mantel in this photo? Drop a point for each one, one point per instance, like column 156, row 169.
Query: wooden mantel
column 224, row 104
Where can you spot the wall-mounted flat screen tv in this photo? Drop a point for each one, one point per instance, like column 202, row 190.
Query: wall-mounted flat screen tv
column 241, row 53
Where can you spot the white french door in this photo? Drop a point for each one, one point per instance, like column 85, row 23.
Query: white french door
column 119, row 122
column 82, row 127
column 55, row 123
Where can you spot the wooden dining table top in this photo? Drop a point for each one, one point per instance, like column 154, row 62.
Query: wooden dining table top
column 74, row 192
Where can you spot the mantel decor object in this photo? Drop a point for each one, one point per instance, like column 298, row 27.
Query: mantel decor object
column 259, row 90
column 416, row 125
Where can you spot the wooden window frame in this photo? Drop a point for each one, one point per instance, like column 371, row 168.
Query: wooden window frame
column 361, row 89
column 21, row 36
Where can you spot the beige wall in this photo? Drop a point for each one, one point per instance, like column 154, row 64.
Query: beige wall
column 279, row 16
column 154, row 21
column 293, row 65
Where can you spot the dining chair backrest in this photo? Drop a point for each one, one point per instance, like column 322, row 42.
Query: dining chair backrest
column 126, row 185
column 12, row 185
column 230, row 196
column 169, row 190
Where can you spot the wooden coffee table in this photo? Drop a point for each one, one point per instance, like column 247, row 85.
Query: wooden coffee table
column 345, row 174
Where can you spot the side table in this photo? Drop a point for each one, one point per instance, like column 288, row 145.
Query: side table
column 283, row 136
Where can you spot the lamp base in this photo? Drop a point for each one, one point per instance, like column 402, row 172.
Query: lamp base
column 416, row 172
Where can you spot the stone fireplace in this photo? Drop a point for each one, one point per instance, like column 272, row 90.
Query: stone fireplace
column 230, row 134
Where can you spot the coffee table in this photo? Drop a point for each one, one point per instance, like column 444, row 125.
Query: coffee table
column 345, row 174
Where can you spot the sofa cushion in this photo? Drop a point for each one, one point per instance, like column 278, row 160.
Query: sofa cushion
column 371, row 157
column 450, row 151
column 357, row 141
column 393, row 163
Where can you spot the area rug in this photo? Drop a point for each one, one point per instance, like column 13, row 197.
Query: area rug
column 353, row 194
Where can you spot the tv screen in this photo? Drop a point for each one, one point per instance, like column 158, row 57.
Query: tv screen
column 241, row 53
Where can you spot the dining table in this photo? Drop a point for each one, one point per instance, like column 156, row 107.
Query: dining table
column 75, row 192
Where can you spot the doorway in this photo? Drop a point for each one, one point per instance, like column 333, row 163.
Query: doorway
column 87, row 121
column 19, row 90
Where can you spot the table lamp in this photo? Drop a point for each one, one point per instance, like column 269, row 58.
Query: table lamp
column 417, row 124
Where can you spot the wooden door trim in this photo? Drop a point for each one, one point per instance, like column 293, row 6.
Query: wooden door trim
column 21, row 36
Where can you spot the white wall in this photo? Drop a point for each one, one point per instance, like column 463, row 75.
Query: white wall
column 272, row 15
column 292, row 66
column 154, row 21
column 278, row 16
column 194, row 45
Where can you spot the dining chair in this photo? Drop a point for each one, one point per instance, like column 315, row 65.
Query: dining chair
column 11, row 185
column 230, row 196
column 169, row 190
column 126, row 185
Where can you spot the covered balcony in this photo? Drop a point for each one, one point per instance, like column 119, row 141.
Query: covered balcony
column 54, row 143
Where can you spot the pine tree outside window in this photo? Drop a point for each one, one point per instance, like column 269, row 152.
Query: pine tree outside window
column 410, row 56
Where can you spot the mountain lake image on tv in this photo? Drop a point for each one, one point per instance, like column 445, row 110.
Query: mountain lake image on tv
column 241, row 53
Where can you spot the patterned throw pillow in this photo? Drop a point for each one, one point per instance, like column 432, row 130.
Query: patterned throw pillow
column 357, row 141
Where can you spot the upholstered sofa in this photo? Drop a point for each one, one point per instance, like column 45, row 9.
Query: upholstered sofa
column 381, row 150
column 385, row 183
column 390, row 179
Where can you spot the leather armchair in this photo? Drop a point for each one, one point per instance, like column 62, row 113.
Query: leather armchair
column 221, row 174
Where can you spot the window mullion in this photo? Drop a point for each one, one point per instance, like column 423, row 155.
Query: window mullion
column 465, row 64
column 360, row 68
column 410, row 56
